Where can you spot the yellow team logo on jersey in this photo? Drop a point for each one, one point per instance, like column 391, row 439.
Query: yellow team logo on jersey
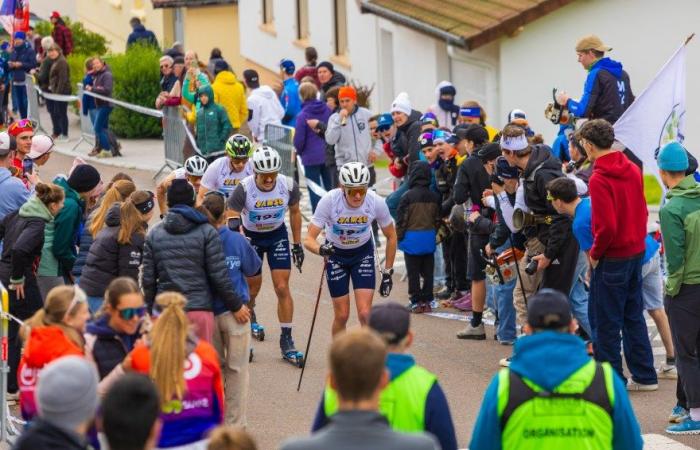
column 231, row 182
column 352, row 220
column 269, row 203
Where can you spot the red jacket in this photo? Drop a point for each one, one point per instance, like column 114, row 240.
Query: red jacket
column 307, row 71
column 619, row 210
column 63, row 37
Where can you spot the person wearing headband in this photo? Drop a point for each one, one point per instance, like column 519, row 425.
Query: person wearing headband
column 471, row 112
column 117, row 249
column 550, row 240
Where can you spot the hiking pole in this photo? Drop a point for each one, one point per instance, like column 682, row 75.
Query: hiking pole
column 313, row 322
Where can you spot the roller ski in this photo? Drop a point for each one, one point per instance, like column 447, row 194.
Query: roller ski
column 256, row 330
column 289, row 352
column 251, row 355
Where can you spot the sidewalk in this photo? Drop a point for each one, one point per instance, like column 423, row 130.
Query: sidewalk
column 144, row 154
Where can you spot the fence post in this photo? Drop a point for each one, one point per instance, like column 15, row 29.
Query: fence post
column 173, row 139
column 87, row 131
column 281, row 138
column 33, row 103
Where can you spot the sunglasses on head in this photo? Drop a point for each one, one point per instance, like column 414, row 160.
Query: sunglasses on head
column 23, row 123
column 130, row 313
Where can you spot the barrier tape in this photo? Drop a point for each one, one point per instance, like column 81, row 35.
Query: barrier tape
column 56, row 97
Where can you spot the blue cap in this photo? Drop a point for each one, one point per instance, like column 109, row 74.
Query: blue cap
column 673, row 158
column 20, row 35
column 384, row 121
column 288, row 66
column 505, row 170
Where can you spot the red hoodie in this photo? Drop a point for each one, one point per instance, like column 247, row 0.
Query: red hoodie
column 619, row 210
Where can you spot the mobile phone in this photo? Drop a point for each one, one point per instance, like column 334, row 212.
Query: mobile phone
column 234, row 223
column 27, row 165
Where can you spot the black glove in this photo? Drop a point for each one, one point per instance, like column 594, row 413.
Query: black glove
column 386, row 284
column 298, row 256
column 326, row 249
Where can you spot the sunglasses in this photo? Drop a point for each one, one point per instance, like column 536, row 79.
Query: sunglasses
column 352, row 192
column 269, row 176
column 130, row 313
column 240, row 160
column 23, row 123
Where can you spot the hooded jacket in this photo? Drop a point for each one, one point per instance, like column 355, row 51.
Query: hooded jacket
column 22, row 233
column 108, row 259
column 606, row 94
column 565, row 354
column 183, row 253
column 45, row 344
column 59, row 252
column 445, row 117
column 43, row 434
column 26, row 55
column 352, row 141
column 103, row 83
column 309, row 145
column 230, row 93
column 290, row 101
column 680, row 228
column 213, row 126
column 141, row 35
column 105, row 347
column 418, row 213
column 14, row 193
column 263, row 108
column 619, row 219
column 405, row 142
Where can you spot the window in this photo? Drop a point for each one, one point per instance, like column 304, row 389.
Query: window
column 341, row 27
column 268, row 16
column 302, row 19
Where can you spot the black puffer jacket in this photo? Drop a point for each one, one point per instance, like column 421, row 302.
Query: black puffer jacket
column 405, row 142
column 445, row 177
column 472, row 180
column 183, row 253
column 108, row 259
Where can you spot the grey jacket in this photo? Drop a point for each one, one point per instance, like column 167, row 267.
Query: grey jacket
column 183, row 253
column 353, row 140
column 361, row 430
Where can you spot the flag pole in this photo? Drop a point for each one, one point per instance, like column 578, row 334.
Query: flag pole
column 689, row 38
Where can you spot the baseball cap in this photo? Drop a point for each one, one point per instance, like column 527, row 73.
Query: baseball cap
column 384, row 121
column 288, row 66
column 391, row 320
column 41, row 145
column 5, row 144
column 591, row 42
column 251, row 78
column 548, row 310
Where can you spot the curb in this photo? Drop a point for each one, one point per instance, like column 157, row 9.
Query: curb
column 113, row 162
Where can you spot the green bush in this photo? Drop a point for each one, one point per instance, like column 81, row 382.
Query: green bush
column 136, row 80
column 84, row 41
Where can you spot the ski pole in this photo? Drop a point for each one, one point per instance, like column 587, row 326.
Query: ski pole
column 313, row 322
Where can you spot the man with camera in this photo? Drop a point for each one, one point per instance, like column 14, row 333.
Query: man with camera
column 551, row 250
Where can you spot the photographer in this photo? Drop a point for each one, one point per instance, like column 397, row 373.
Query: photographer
column 550, row 243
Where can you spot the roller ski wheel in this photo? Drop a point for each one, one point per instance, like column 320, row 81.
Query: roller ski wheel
column 257, row 331
column 251, row 355
column 289, row 352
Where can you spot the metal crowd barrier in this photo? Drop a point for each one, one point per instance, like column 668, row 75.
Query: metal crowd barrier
column 176, row 135
column 33, row 92
column 281, row 138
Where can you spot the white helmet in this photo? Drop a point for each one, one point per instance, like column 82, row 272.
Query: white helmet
column 196, row 166
column 266, row 160
column 354, row 174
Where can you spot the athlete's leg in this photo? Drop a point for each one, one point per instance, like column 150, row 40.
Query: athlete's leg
column 363, row 303
column 285, row 305
column 341, row 313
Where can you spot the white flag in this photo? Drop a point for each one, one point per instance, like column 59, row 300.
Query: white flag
column 657, row 116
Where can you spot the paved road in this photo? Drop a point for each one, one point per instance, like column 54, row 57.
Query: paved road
column 277, row 411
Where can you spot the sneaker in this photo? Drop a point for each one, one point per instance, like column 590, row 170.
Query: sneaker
column 62, row 138
column 434, row 304
column 506, row 342
column 678, row 414
column 505, row 362
column 458, row 294
column 104, row 154
column 667, row 372
column 427, row 307
column 474, row 333
column 444, row 293
column 634, row 386
column 688, row 426
column 415, row 308
column 12, row 397
column 95, row 151
column 463, row 303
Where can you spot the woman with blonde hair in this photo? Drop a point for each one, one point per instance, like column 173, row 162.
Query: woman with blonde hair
column 472, row 112
column 52, row 332
column 187, row 375
column 118, row 248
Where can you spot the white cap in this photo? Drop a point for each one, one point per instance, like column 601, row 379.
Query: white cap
column 402, row 104
column 41, row 145
column 5, row 143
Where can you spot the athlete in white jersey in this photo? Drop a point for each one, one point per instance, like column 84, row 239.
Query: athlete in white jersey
column 193, row 171
column 260, row 202
column 226, row 172
column 346, row 214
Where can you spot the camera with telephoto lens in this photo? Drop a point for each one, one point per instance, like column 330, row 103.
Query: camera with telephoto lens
column 531, row 267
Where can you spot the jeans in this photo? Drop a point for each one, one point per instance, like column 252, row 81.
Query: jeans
column 503, row 297
column 439, row 273
column 59, row 117
column 319, row 174
column 578, row 297
column 19, row 94
column 232, row 342
column 615, row 307
column 101, row 125
column 393, row 199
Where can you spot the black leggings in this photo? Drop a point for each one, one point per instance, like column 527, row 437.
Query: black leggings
column 417, row 267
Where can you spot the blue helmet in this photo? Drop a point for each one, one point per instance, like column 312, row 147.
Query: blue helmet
column 287, row 65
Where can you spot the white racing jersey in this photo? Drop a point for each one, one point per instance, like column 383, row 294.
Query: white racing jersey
column 220, row 177
column 264, row 211
column 348, row 227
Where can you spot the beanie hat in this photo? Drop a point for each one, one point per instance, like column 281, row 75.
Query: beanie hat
column 20, row 35
column 429, row 119
column 180, row 192
column 84, row 178
column 448, row 90
column 347, row 92
column 20, row 126
column 327, row 65
column 673, row 157
column 401, row 104
column 251, row 78
column 66, row 392
column 219, row 66
column 489, row 152
column 426, row 140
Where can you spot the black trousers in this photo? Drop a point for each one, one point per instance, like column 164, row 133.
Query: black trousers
column 23, row 310
column 455, row 252
column 417, row 267
column 684, row 317
column 59, row 117
column 560, row 273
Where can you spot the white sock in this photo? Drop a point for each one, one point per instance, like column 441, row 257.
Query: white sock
column 285, row 325
column 695, row 414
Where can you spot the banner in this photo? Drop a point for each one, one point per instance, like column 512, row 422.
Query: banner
column 14, row 15
column 657, row 116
